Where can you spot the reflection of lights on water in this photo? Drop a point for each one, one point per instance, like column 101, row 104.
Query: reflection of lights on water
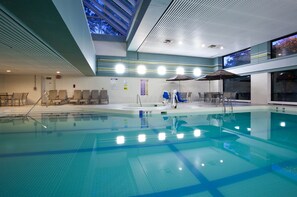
column 180, row 168
column 141, row 138
column 197, row 133
column 248, row 129
column 237, row 127
column 162, row 136
column 282, row 124
column 120, row 140
column 221, row 161
column 180, row 136
column 202, row 164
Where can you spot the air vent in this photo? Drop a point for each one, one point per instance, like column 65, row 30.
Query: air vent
column 167, row 41
column 216, row 46
column 212, row 46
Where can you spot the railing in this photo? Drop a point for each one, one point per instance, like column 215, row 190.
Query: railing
column 138, row 100
column 226, row 101
column 35, row 103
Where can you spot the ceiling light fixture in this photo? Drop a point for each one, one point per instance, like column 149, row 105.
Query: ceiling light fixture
column 221, row 47
column 180, row 71
column 180, row 42
column 161, row 70
column 203, row 45
column 141, row 69
column 196, row 72
column 8, row 71
column 120, row 68
column 58, row 72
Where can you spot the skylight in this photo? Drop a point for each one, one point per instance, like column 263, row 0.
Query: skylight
column 112, row 17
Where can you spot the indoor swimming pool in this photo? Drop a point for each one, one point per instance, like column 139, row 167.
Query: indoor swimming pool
column 201, row 154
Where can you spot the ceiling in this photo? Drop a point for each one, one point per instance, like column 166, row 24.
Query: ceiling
column 23, row 53
column 233, row 24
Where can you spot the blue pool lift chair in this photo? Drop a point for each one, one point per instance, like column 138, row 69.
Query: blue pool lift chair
column 166, row 97
column 180, row 99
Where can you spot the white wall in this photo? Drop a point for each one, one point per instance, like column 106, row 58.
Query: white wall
column 117, row 94
column 21, row 83
column 260, row 88
column 105, row 48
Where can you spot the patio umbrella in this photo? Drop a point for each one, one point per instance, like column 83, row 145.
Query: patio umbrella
column 217, row 75
column 180, row 78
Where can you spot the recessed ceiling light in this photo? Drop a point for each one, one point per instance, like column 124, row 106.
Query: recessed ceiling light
column 58, row 72
column 8, row 71
column 221, row 47
column 180, row 42
column 203, row 45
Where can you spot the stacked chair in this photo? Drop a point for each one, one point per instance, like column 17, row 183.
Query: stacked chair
column 76, row 97
column 79, row 97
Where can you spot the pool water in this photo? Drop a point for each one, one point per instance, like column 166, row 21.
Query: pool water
column 89, row 154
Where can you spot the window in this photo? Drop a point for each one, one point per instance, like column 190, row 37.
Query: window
column 284, row 46
column 237, row 58
column 283, row 86
column 240, row 85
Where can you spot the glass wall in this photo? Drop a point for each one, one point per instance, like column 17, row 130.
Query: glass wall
column 237, row 58
column 283, row 86
column 284, row 46
column 240, row 85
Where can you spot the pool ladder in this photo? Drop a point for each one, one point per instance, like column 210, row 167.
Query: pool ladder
column 227, row 101
column 138, row 100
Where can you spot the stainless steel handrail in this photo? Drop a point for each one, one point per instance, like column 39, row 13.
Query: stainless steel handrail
column 35, row 103
column 138, row 99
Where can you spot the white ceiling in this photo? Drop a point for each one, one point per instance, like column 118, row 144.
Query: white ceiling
column 233, row 24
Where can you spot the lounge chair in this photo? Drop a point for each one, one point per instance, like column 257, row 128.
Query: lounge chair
column 62, row 97
column 103, row 98
column 16, row 97
column 200, row 96
column 94, row 97
column 52, row 95
column 3, row 98
column 189, row 96
column 76, row 97
column 24, row 98
column 85, row 97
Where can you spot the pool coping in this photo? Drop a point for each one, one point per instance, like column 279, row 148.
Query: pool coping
column 192, row 108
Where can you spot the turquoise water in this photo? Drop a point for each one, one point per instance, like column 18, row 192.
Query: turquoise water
column 72, row 154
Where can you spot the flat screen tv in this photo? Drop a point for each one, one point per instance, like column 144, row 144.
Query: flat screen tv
column 284, row 46
column 237, row 58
